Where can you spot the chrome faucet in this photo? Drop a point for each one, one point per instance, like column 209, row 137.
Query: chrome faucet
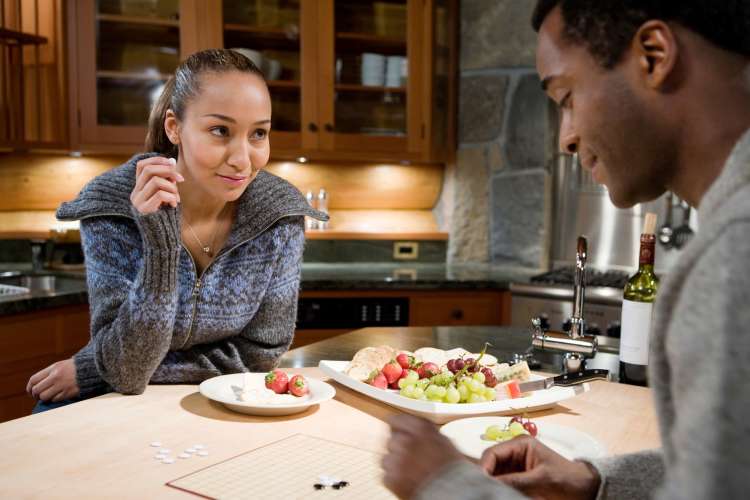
column 576, row 339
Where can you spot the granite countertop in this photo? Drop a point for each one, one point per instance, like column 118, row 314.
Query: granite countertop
column 315, row 276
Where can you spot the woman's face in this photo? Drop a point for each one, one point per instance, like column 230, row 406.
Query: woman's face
column 223, row 137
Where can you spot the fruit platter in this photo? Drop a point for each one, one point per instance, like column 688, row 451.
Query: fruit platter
column 442, row 385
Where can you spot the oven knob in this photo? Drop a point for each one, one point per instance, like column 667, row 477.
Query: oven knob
column 613, row 330
column 566, row 325
column 593, row 329
column 544, row 321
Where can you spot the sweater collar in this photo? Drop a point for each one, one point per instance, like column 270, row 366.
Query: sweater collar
column 266, row 200
column 734, row 176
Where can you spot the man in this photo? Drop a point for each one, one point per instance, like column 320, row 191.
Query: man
column 654, row 96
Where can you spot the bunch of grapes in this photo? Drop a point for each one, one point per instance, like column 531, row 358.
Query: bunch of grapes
column 516, row 427
column 444, row 388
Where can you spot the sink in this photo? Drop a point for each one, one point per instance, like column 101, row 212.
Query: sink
column 39, row 283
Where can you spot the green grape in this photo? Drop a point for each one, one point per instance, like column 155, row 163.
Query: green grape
column 404, row 382
column 407, row 391
column 431, row 392
column 494, row 432
column 452, row 395
column 418, row 393
column 479, row 376
column 516, row 429
column 476, row 386
column 476, row 398
column 422, row 384
column 412, row 375
column 463, row 392
column 440, row 391
column 489, row 393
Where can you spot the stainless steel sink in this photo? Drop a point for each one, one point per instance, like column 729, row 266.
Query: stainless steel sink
column 20, row 283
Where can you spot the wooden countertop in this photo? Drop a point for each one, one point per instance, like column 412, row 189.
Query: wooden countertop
column 100, row 447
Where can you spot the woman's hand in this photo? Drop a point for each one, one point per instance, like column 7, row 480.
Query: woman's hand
column 156, row 181
column 55, row 383
column 535, row 470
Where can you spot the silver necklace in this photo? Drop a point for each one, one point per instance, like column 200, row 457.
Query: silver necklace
column 205, row 248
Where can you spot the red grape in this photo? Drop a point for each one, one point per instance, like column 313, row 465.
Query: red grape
column 530, row 428
column 489, row 377
column 451, row 365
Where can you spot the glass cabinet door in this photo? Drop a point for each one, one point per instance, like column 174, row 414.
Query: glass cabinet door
column 268, row 32
column 137, row 47
column 370, row 87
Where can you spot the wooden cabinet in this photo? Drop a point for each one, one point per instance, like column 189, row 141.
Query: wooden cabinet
column 349, row 79
column 32, row 341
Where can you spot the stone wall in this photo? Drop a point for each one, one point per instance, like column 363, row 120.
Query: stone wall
column 499, row 186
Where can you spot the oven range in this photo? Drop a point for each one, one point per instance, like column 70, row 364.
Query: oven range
column 550, row 297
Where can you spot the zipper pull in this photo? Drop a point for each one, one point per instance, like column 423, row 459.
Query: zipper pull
column 197, row 287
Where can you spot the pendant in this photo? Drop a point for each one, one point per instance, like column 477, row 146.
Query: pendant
column 207, row 251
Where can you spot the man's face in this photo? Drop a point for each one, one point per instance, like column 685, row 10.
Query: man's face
column 604, row 117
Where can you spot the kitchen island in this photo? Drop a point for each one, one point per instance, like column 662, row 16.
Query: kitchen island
column 99, row 448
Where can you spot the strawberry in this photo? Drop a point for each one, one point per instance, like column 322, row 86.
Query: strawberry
column 277, row 381
column 428, row 370
column 392, row 371
column 405, row 360
column 378, row 380
column 298, row 386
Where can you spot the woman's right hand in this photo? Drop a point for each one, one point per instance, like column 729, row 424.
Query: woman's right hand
column 156, row 181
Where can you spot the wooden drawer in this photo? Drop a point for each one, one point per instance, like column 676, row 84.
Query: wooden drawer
column 446, row 309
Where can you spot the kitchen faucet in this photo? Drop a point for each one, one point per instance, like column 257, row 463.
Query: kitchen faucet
column 575, row 340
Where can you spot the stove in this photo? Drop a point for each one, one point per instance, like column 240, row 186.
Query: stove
column 550, row 297
column 566, row 275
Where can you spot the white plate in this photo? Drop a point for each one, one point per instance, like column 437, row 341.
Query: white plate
column 223, row 389
column 445, row 412
column 467, row 433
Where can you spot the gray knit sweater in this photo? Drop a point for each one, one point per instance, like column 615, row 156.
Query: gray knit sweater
column 699, row 369
column 153, row 319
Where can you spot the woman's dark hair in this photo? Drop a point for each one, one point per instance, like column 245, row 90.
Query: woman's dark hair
column 607, row 27
column 185, row 85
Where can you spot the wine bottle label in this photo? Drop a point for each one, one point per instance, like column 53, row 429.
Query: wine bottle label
column 635, row 331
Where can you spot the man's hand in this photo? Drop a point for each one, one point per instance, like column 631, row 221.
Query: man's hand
column 55, row 383
column 416, row 450
column 530, row 467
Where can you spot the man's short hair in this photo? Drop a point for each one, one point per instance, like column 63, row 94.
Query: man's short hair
column 607, row 27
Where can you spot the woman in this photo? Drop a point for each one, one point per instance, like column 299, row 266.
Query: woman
column 192, row 252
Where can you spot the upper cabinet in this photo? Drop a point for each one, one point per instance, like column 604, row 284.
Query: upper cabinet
column 349, row 79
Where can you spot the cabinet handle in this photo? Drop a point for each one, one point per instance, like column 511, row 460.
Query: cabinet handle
column 457, row 314
column 329, row 127
column 312, row 127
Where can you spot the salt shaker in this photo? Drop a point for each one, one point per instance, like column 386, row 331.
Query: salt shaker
column 323, row 207
column 310, row 223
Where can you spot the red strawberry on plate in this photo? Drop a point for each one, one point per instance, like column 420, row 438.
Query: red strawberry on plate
column 405, row 360
column 298, row 386
column 277, row 381
column 378, row 380
column 392, row 371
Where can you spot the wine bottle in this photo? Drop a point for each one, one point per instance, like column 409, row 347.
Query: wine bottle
column 637, row 310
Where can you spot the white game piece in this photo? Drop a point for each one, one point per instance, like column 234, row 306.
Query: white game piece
column 191, row 450
column 326, row 480
column 168, row 461
column 160, row 456
column 164, row 451
column 184, row 455
column 198, row 446
column 156, row 444
column 202, row 453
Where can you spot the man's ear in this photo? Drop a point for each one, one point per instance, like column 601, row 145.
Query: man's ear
column 172, row 127
column 656, row 48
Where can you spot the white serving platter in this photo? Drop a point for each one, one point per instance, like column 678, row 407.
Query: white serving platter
column 445, row 412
